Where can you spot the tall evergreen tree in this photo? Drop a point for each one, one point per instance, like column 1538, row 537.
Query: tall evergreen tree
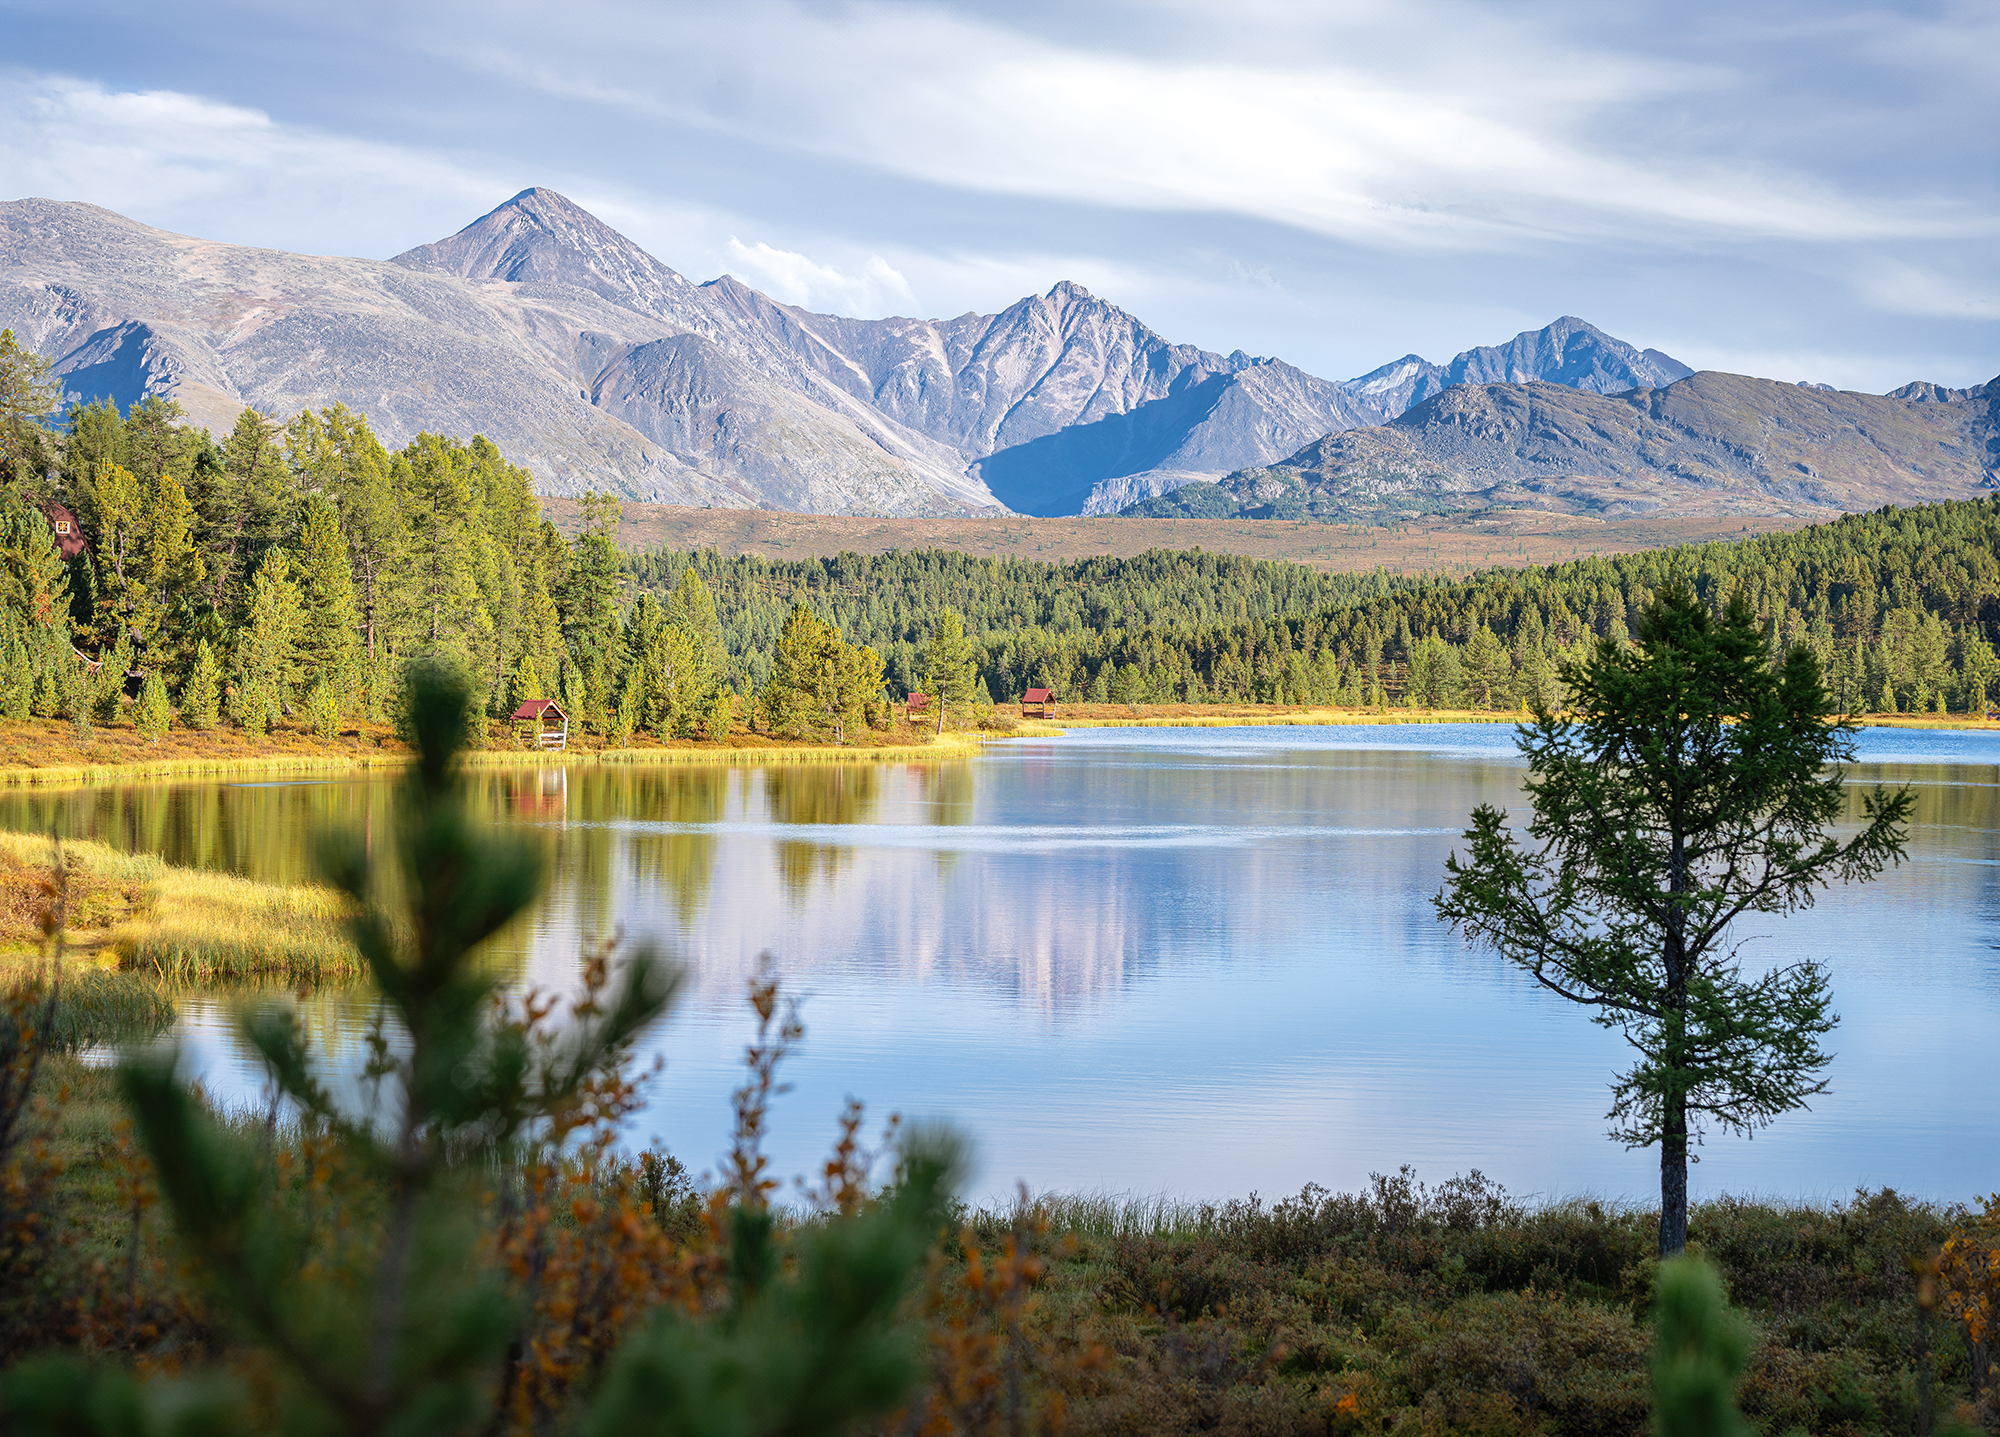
column 201, row 692
column 329, row 632
column 28, row 393
column 175, row 589
column 1696, row 785
column 948, row 665
column 247, row 510
column 267, row 653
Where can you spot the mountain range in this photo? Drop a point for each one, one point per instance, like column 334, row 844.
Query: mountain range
column 1711, row 444
column 599, row 367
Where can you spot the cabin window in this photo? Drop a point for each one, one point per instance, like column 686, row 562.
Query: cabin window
column 62, row 526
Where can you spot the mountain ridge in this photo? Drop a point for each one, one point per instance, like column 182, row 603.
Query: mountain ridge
column 1711, row 443
column 599, row 366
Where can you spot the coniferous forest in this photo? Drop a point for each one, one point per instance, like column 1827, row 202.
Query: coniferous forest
column 292, row 571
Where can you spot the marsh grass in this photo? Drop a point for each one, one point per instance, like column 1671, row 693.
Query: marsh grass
column 177, row 926
column 1405, row 1308
column 205, row 927
column 96, row 1007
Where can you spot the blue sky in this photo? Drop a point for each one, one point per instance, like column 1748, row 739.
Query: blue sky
column 1802, row 191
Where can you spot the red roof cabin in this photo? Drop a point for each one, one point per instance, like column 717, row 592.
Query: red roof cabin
column 542, row 712
column 916, row 704
column 1042, row 701
column 69, row 533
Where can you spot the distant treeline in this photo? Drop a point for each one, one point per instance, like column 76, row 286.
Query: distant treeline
column 1901, row 606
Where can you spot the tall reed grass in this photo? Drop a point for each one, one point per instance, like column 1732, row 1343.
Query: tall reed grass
column 215, row 927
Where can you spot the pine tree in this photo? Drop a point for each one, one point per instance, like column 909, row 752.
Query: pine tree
column 589, row 598
column 18, row 691
column 120, row 514
column 443, row 547
column 27, row 393
column 267, row 653
column 949, row 664
column 1698, row 1356
column 151, row 712
column 1696, row 785
column 174, row 579
column 329, row 633
column 323, row 708
column 245, row 513
column 201, row 691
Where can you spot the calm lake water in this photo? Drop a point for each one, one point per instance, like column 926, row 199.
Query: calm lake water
column 1196, row 961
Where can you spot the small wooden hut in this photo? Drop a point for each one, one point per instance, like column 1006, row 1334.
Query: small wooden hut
column 916, row 704
column 1042, row 701
column 541, row 713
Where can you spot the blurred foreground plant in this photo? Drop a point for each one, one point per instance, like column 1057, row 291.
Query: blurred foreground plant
column 361, row 1266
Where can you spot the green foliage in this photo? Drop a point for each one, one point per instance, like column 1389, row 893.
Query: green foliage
column 392, row 1315
column 28, row 392
column 438, row 672
column 201, row 694
column 950, row 664
column 1699, row 1354
column 268, row 661
column 820, row 686
column 1696, row 784
column 809, row 1353
column 151, row 712
column 1225, row 628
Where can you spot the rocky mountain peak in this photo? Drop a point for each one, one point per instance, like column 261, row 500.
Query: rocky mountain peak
column 542, row 237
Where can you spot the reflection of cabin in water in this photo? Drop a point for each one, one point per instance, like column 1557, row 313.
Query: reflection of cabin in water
column 69, row 533
column 1040, row 700
column 541, row 713
column 543, row 794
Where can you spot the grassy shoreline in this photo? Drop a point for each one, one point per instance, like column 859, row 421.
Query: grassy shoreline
column 121, row 756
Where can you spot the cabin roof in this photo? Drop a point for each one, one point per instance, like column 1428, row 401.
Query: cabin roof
column 541, row 708
column 1036, row 696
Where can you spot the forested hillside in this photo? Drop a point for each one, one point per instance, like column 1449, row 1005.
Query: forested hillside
column 1902, row 606
column 292, row 571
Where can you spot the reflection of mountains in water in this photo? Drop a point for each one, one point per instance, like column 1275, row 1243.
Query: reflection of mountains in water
column 702, row 861
column 1054, row 886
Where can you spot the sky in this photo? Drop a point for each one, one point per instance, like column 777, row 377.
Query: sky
column 1802, row 191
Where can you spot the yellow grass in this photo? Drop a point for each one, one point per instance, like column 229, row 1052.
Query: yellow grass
column 184, row 925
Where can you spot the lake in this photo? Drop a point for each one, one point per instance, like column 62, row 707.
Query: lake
column 1186, row 961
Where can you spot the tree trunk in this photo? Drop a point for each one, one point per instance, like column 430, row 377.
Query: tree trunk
column 1674, row 1178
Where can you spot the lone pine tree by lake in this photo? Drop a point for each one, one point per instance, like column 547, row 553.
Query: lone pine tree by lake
column 1695, row 785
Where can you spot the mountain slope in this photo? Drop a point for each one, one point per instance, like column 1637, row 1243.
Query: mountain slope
column 1570, row 352
column 1062, row 403
column 544, row 363
column 1712, row 444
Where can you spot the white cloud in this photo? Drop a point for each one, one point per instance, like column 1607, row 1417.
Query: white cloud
column 1903, row 288
column 1435, row 125
column 876, row 289
column 223, row 171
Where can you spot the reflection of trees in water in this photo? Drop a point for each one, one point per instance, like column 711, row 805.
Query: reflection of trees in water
column 830, row 793
column 680, row 864
column 945, row 789
column 260, row 830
